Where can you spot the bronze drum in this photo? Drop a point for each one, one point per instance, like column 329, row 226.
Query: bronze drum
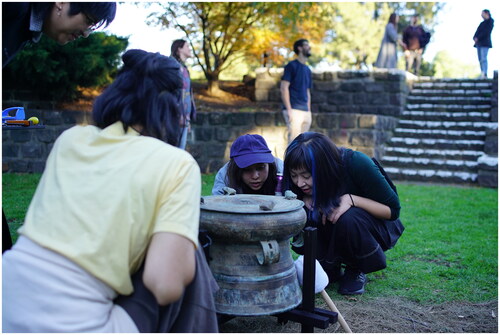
column 250, row 255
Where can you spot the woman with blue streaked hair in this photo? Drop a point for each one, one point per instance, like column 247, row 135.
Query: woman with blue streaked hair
column 110, row 239
column 350, row 201
column 63, row 22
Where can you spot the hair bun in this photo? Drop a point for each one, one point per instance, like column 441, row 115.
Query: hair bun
column 162, row 70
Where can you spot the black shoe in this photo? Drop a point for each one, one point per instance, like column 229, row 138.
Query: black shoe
column 352, row 282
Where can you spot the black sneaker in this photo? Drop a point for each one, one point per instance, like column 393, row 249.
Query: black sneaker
column 352, row 282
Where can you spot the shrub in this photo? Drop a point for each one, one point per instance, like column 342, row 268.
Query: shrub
column 54, row 72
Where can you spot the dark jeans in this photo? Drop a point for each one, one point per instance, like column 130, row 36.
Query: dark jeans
column 193, row 313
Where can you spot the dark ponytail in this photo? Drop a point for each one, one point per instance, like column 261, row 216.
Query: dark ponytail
column 146, row 92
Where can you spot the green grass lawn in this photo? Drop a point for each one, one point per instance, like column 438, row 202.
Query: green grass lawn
column 448, row 251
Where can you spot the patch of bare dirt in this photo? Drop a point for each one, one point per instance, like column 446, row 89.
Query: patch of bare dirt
column 387, row 315
column 234, row 96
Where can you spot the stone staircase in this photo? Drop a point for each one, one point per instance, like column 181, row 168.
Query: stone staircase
column 441, row 133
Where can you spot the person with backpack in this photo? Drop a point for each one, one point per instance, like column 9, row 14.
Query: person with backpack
column 352, row 203
column 415, row 39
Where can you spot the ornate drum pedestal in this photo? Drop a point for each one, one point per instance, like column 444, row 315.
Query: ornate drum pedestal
column 250, row 253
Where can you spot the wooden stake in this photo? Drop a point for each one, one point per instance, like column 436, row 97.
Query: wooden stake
column 334, row 308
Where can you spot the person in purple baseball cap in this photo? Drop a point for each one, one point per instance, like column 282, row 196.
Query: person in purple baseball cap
column 252, row 168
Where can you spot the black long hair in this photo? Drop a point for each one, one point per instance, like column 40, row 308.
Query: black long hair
column 392, row 19
column 234, row 176
column 174, row 49
column 317, row 154
column 103, row 13
column 146, row 92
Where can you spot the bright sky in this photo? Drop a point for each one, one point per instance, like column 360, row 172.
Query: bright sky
column 458, row 22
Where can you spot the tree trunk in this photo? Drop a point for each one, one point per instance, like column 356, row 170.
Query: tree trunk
column 213, row 87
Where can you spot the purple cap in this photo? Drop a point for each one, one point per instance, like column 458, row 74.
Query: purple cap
column 250, row 149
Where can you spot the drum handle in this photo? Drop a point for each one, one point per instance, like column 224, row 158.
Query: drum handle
column 270, row 252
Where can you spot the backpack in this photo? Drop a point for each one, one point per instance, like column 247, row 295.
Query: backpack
column 426, row 37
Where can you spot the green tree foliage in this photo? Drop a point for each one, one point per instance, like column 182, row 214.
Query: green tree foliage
column 55, row 72
column 221, row 33
column 446, row 66
column 356, row 35
column 348, row 34
column 215, row 30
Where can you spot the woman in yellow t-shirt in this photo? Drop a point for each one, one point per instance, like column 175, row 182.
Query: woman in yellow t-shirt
column 109, row 242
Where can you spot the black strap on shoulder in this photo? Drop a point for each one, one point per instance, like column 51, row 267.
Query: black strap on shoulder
column 389, row 181
column 347, row 154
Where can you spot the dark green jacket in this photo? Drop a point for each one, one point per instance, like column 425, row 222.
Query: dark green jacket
column 364, row 178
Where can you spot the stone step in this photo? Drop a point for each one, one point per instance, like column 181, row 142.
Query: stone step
column 452, row 92
column 445, row 85
column 471, row 155
column 442, row 100
column 447, row 125
column 440, row 144
column 430, row 164
column 425, row 175
column 445, row 116
column 440, row 134
column 449, row 107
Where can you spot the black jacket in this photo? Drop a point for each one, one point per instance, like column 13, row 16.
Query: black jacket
column 483, row 34
column 15, row 28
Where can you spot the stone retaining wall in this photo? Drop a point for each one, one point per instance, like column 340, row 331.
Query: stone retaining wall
column 488, row 164
column 379, row 92
column 357, row 109
column 210, row 139
column 213, row 133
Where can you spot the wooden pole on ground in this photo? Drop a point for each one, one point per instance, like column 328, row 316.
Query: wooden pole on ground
column 334, row 308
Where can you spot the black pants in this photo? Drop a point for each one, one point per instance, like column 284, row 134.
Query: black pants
column 194, row 312
column 358, row 240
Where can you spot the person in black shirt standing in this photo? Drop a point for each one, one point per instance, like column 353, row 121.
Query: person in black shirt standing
column 482, row 41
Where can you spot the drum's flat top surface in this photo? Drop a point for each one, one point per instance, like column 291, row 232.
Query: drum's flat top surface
column 249, row 204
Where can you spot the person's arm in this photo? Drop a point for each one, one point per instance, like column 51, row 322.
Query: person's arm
column 375, row 195
column 285, row 96
column 377, row 209
column 406, row 36
column 170, row 261
column 392, row 33
column 220, row 181
column 166, row 274
column 484, row 30
column 309, row 99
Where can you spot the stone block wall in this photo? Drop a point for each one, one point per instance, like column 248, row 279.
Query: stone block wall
column 210, row 140
column 357, row 109
column 488, row 163
column 213, row 133
column 26, row 150
column 379, row 92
